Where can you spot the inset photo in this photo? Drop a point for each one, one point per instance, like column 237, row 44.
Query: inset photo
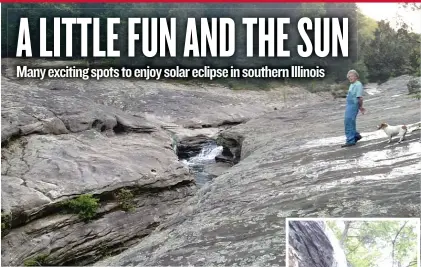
column 353, row 242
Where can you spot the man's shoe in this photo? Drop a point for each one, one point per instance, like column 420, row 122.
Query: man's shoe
column 347, row 145
column 358, row 138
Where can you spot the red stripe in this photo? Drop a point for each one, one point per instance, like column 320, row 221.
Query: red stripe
column 205, row 1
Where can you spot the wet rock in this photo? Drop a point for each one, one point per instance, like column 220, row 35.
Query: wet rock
column 217, row 168
column 292, row 165
column 231, row 142
column 191, row 146
column 224, row 159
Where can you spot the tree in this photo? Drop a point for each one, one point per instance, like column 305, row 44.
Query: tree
column 367, row 243
column 376, row 50
column 413, row 6
column 388, row 54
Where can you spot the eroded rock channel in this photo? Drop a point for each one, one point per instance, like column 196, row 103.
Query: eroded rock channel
column 108, row 147
column 207, row 160
column 89, row 167
column 209, row 153
column 292, row 165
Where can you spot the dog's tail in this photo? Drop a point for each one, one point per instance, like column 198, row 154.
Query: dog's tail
column 414, row 127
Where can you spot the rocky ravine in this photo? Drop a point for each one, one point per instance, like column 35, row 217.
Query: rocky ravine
column 63, row 146
column 292, row 166
column 62, row 139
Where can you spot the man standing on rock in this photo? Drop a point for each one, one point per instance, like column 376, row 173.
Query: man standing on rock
column 354, row 103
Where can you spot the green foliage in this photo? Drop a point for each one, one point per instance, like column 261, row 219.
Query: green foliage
column 412, row 6
column 84, row 205
column 312, row 10
column 366, row 29
column 417, row 96
column 414, row 86
column 335, row 229
column 366, row 242
column 39, row 260
column 340, row 90
column 125, row 199
column 181, row 12
column 6, row 220
column 377, row 51
column 362, row 70
column 391, row 53
column 384, row 52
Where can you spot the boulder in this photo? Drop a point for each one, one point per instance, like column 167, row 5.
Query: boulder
column 414, row 85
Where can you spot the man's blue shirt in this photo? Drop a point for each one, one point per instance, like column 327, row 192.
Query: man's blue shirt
column 355, row 90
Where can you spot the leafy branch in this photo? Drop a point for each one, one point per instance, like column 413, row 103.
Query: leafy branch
column 394, row 242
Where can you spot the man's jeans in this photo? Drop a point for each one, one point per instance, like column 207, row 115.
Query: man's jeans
column 351, row 113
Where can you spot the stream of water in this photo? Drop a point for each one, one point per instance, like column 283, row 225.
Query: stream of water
column 198, row 163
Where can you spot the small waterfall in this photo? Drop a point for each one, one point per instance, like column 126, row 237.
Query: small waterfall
column 206, row 157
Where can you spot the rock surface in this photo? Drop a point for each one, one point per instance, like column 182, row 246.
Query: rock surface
column 65, row 138
column 310, row 246
column 292, row 165
column 65, row 146
column 217, row 169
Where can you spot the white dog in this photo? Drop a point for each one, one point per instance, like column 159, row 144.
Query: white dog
column 391, row 131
